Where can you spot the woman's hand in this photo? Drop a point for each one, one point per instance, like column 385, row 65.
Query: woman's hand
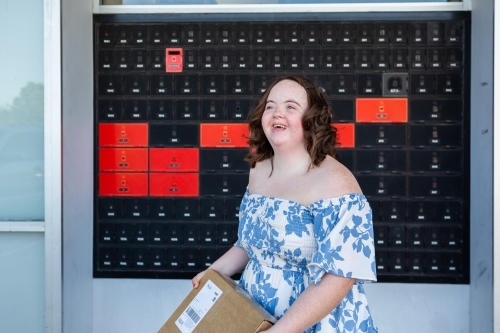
column 270, row 330
column 233, row 261
column 196, row 280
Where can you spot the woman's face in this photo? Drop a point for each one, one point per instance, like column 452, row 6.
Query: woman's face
column 282, row 117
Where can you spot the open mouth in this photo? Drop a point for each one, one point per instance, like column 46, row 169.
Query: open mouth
column 279, row 126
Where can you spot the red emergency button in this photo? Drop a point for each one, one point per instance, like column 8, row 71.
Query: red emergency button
column 173, row 59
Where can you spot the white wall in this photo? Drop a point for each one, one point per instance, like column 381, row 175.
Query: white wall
column 481, row 163
column 77, row 165
column 22, row 297
column 128, row 306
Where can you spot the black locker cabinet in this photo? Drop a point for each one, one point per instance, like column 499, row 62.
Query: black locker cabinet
column 161, row 87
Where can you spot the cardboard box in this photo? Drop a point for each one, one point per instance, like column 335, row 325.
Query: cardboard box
column 218, row 305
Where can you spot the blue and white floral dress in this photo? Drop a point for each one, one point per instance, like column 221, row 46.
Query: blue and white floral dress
column 291, row 246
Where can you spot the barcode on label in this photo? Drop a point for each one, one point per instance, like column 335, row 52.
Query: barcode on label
column 198, row 308
column 193, row 315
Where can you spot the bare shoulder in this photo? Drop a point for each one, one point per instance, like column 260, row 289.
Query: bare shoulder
column 258, row 174
column 333, row 179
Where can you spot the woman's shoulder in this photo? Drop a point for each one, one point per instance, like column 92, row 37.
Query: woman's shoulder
column 334, row 180
column 261, row 170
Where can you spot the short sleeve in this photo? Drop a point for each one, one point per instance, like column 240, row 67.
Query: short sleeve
column 343, row 229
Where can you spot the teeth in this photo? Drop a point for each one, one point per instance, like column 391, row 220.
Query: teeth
column 279, row 126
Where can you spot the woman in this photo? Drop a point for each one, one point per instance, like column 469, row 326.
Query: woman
column 305, row 232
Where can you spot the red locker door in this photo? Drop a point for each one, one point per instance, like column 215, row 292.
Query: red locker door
column 345, row 135
column 123, row 159
column 224, row 135
column 123, row 135
column 123, row 184
column 382, row 110
column 174, row 159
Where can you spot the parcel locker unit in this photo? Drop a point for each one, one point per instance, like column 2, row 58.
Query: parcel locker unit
column 171, row 104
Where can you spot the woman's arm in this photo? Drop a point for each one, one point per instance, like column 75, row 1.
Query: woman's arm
column 315, row 303
column 233, row 261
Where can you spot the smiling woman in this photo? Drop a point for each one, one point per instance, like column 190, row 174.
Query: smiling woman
column 305, row 233
column 282, row 116
column 316, row 117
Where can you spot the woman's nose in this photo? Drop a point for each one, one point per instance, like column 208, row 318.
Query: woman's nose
column 278, row 112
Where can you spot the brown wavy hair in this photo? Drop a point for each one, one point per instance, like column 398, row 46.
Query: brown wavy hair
column 320, row 137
